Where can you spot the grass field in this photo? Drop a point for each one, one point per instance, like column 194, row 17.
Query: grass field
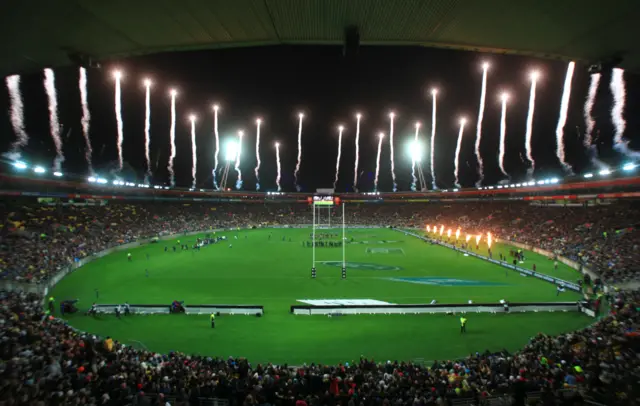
column 275, row 272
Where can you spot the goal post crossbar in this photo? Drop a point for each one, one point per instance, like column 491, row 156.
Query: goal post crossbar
column 316, row 225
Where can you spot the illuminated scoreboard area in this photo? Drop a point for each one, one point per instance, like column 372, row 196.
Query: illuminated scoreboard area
column 325, row 200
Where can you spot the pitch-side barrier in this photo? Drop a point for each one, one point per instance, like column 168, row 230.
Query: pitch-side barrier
column 436, row 308
column 249, row 310
column 521, row 270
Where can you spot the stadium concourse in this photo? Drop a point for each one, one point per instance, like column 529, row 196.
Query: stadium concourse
column 45, row 361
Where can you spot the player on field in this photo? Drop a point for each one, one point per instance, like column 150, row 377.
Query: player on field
column 129, row 257
column 212, row 317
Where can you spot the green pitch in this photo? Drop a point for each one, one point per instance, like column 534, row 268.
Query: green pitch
column 275, row 272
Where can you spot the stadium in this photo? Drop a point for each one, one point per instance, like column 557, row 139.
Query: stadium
column 144, row 267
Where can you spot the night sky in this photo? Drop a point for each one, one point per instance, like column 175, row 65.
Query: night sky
column 275, row 83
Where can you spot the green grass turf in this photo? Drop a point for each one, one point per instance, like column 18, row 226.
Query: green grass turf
column 275, row 273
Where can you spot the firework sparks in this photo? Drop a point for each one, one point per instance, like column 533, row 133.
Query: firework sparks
column 355, row 170
column 375, row 182
column 297, row 171
column 257, row 168
column 503, row 133
column 54, row 124
column 172, row 138
column 16, row 113
column 340, row 129
column 393, row 163
column 532, row 104
column 456, row 161
column 562, row 119
column 483, row 94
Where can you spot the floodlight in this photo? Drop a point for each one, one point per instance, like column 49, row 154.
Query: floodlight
column 19, row 165
column 57, row 174
column 554, row 180
column 232, row 151
column 588, row 175
column 39, row 169
column 92, row 179
column 629, row 166
column 604, row 172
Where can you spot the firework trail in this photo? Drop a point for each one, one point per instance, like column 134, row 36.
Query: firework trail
column 434, row 93
column 278, row 165
column 355, row 171
column 590, row 122
column 413, row 159
column 54, row 125
column 483, row 94
column 172, row 138
column 340, row 129
column 147, row 128
column 16, row 108
column 393, row 163
column 562, row 120
column 297, row 171
column 194, row 156
column 215, row 156
column 86, row 117
column 237, row 167
column 118, row 108
column 503, row 133
column 458, row 148
column 375, row 182
column 527, row 137
column 619, row 92
column 257, row 169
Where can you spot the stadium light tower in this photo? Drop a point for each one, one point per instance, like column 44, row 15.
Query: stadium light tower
column 230, row 157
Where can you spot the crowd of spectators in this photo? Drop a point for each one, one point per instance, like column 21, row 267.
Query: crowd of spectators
column 46, row 362
column 37, row 240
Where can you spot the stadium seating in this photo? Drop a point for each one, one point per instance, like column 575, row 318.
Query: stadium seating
column 38, row 240
column 44, row 361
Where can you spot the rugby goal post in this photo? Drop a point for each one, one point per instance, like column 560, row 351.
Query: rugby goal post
column 322, row 205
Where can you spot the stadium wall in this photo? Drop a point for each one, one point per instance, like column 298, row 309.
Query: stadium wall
column 436, row 308
column 249, row 310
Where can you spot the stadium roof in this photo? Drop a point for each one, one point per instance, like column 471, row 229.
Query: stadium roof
column 40, row 33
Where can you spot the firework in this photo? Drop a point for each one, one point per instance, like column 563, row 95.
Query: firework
column 172, row 137
column 457, row 234
column 456, row 161
column 428, row 228
column 393, row 163
column 355, row 170
column 375, row 182
column 619, row 92
column 562, row 119
column 448, row 233
column 278, row 165
column 467, row 238
column 489, row 240
column 86, row 117
column 54, row 125
column 238, row 155
column 16, row 108
column 147, row 128
column 441, row 229
column 217, row 136
column 532, row 104
column 503, row 133
column 478, row 238
column 340, row 129
column 434, row 93
column 117, row 75
column 590, row 122
column 413, row 159
column 257, row 169
column 194, row 155
column 297, row 171
column 483, row 94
